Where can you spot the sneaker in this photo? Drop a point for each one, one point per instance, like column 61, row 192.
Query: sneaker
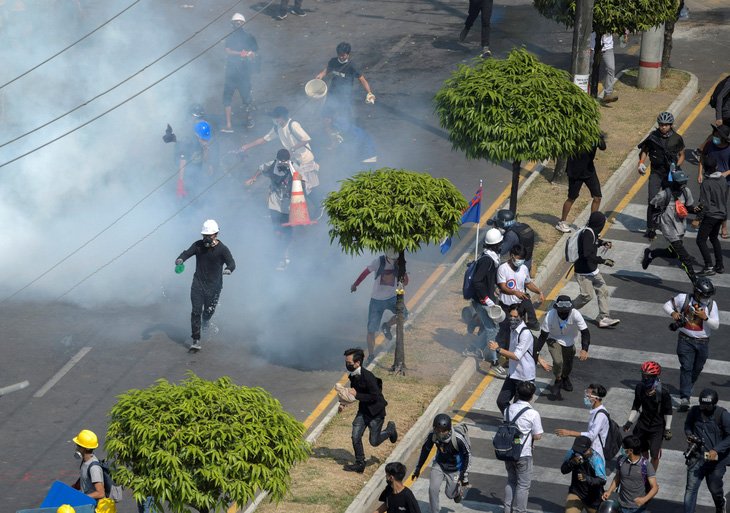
column 354, row 467
column 298, row 12
column 555, row 387
column 386, row 331
column 609, row 98
column 485, row 52
column 472, row 325
column 195, row 346
column 467, row 314
column 721, row 507
column 697, row 154
column 280, row 17
column 227, row 130
column 719, row 270
column 562, row 226
column 249, row 122
column 683, row 405
column 457, row 499
column 647, row 259
column 393, row 433
column 498, row 369
column 707, row 271
column 471, row 351
column 608, row 322
column 462, row 35
column 556, row 396
column 567, row 385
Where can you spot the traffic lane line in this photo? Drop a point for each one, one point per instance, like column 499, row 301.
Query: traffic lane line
column 61, row 373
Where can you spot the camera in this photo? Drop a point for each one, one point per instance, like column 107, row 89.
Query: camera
column 694, row 448
column 679, row 323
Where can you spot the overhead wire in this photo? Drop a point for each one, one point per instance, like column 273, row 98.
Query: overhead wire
column 72, row 44
column 120, row 83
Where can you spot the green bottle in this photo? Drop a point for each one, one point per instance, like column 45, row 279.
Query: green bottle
column 179, row 268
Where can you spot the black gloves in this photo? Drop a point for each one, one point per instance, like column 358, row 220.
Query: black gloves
column 416, row 473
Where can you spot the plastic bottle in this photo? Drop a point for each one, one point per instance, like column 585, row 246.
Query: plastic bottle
column 179, row 268
column 684, row 13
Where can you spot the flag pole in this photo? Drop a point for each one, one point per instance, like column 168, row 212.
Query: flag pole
column 476, row 246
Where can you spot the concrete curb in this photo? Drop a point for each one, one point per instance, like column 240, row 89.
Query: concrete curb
column 364, row 502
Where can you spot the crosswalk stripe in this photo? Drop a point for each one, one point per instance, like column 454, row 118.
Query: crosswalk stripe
column 633, row 219
column 420, row 490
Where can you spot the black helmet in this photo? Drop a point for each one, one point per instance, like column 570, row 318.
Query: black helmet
column 505, row 218
column 708, row 397
column 609, row 507
column 442, row 422
column 680, row 177
column 704, row 287
column 196, row 110
column 665, row 118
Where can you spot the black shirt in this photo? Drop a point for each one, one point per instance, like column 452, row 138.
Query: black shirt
column 343, row 75
column 662, row 151
column 581, row 167
column 401, row 502
column 653, row 408
column 209, row 264
column 238, row 41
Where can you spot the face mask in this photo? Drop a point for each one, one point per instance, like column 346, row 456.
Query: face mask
column 350, row 367
column 275, row 123
column 707, row 412
column 649, row 383
column 441, row 436
column 78, row 455
column 341, row 61
column 208, row 241
column 716, row 141
column 703, row 300
column 514, row 322
column 563, row 315
column 587, row 401
column 518, row 263
column 624, row 453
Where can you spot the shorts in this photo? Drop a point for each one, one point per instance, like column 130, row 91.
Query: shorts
column 651, row 441
column 377, row 309
column 574, row 185
column 237, row 80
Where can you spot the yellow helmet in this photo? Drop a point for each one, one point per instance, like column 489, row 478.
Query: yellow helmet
column 106, row 506
column 65, row 509
column 87, row 439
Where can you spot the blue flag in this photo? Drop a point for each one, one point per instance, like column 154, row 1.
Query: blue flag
column 472, row 214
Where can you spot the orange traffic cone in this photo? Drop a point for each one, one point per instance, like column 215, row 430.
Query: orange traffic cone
column 298, row 214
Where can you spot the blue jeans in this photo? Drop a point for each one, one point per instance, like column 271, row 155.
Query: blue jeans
column 713, row 475
column 490, row 331
column 692, row 355
column 377, row 437
column 146, row 506
column 376, row 310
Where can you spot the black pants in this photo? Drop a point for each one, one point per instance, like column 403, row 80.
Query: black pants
column 656, row 184
column 284, row 233
column 677, row 250
column 483, row 7
column 285, row 4
column 377, row 437
column 710, row 227
column 508, row 392
column 204, row 304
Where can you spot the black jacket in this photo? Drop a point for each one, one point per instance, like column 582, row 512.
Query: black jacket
column 369, row 393
column 714, row 437
column 713, row 197
column 662, row 151
column 485, row 279
column 447, row 456
column 209, row 264
column 594, row 477
column 581, row 166
column 589, row 243
column 722, row 107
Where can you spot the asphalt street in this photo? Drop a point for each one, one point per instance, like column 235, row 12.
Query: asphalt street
column 79, row 356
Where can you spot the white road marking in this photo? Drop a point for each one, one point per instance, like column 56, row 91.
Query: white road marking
column 64, row 370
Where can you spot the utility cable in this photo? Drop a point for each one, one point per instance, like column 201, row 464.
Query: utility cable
column 72, row 44
column 120, row 83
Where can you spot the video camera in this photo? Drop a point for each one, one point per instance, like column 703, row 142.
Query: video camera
column 694, row 450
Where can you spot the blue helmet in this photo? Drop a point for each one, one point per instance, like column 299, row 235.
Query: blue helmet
column 202, row 130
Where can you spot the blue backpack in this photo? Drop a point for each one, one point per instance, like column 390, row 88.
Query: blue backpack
column 508, row 440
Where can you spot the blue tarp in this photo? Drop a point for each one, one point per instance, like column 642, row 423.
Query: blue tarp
column 61, row 493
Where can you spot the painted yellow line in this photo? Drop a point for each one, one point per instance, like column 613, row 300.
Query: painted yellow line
column 459, row 417
column 633, row 50
column 703, row 103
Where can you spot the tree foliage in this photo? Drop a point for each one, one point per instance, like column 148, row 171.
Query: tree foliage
column 516, row 109
column 389, row 208
column 205, row 444
column 612, row 16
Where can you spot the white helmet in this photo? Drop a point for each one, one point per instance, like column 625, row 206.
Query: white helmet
column 238, row 17
column 493, row 236
column 210, row 227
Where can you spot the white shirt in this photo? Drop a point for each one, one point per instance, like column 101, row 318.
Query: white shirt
column 290, row 135
column 565, row 332
column 513, row 280
column 384, row 286
column 597, row 427
column 696, row 327
column 522, row 369
column 529, row 423
column 606, row 42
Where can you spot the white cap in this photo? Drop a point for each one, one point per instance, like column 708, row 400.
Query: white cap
column 238, row 17
column 210, row 227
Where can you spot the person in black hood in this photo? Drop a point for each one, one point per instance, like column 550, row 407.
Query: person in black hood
column 586, row 270
column 713, row 198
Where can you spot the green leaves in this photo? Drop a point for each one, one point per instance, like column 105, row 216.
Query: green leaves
column 613, row 16
column 203, row 443
column 389, row 208
column 516, row 109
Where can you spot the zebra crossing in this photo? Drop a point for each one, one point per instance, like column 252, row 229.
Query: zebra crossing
column 615, row 356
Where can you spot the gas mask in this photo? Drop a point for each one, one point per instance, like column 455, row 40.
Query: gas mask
column 283, row 168
column 442, row 437
column 78, row 455
column 208, row 241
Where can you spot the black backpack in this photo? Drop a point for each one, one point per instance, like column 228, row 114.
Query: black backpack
column 508, row 440
column 716, row 92
column 111, row 489
column 527, row 238
column 614, row 438
column 467, row 288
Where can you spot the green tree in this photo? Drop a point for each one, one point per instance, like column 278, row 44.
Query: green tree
column 516, row 109
column 203, row 444
column 610, row 17
column 393, row 209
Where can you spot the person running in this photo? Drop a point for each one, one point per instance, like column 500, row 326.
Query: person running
column 655, row 420
column 713, row 198
column 476, row 8
column 561, row 328
column 674, row 203
column 597, row 424
column 665, row 149
column 635, row 478
column 396, row 497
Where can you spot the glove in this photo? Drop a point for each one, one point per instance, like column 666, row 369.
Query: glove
column 227, row 271
column 416, row 473
column 642, row 168
column 609, row 262
column 181, row 189
column 370, row 98
column 179, row 261
column 667, row 434
column 627, row 426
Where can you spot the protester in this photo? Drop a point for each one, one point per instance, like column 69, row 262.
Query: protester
column 354, row 145
column 198, row 160
column 713, row 198
column 368, row 391
column 514, row 233
column 451, row 464
column 513, row 279
column 717, row 146
column 588, row 475
column 396, row 497
column 210, row 256
column 635, row 478
column 91, row 476
column 608, row 59
column 597, row 424
column 476, row 8
column 296, row 10
column 383, row 297
column 242, row 51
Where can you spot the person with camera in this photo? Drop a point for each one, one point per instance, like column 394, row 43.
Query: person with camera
column 655, row 420
column 588, row 475
column 451, row 464
column 693, row 316
column 708, row 453
column 635, row 478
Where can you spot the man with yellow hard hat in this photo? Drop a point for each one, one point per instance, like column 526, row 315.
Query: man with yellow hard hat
column 91, row 477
